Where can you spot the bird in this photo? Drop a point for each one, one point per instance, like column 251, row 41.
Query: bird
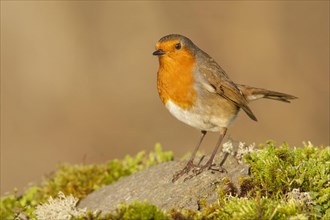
column 198, row 92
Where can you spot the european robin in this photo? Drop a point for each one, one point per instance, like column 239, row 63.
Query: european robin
column 198, row 92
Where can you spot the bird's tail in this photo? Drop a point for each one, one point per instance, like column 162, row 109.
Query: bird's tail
column 252, row 94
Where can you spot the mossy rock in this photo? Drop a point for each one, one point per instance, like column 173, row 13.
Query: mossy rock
column 284, row 183
column 154, row 185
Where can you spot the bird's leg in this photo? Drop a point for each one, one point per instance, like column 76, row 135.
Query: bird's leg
column 190, row 163
column 209, row 164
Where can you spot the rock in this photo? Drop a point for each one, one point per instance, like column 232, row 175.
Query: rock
column 154, row 186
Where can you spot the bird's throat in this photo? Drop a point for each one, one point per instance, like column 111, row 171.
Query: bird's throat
column 175, row 81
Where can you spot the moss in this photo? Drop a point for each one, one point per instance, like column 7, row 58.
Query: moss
column 257, row 207
column 138, row 211
column 229, row 187
column 246, row 185
column 79, row 181
column 279, row 170
column 63, row 207
column 15, row 205
column 285, row 183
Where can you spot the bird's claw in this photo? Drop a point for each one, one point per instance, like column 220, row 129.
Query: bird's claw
column 185, row 170
column 197, row 169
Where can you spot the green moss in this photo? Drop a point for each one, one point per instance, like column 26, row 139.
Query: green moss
column 258, row 208
column 15, row 205
column 140, row 210
column 78, row 180
column 285, row 183
column 278, row 170
column 134, row 211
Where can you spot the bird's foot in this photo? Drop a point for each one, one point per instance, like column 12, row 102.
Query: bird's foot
column 185, row 170
column 208, row 166
column 197, row 169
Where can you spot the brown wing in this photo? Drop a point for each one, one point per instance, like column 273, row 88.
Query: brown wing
column 223, row 86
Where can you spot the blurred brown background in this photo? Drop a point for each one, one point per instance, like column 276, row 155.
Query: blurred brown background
column 78, row 81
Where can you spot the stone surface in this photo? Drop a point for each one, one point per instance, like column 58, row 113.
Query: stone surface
column 154, row 185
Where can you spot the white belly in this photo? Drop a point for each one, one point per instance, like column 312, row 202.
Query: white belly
column 197, row 118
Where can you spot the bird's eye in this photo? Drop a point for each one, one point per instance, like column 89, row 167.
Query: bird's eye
column 178, row 46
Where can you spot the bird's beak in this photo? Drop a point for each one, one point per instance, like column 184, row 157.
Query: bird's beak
column 158, row 52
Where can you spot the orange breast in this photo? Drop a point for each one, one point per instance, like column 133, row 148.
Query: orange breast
column 175, row 80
